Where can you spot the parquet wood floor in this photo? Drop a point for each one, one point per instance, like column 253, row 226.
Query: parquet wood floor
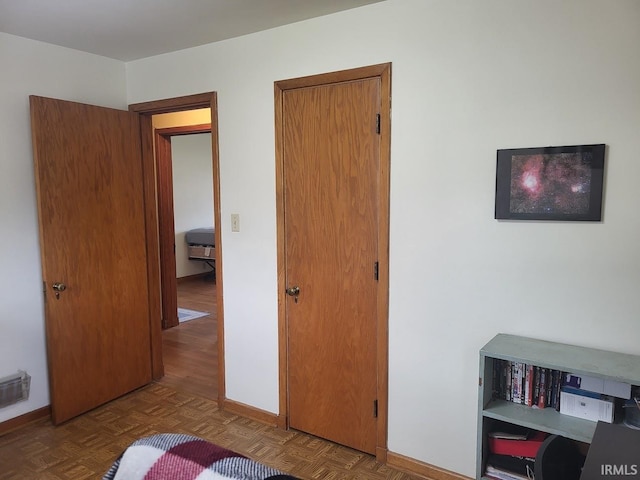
column 181, row 402
column 85, row 447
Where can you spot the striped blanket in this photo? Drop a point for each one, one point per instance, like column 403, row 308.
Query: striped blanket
column 184, row 457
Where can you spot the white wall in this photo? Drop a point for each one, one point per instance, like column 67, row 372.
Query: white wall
column 34, row 68
column 468, row 78
column 192, row 195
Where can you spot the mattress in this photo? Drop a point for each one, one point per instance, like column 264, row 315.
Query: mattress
column 201, row 236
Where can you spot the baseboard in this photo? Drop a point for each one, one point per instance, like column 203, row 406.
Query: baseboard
column 425, row 470
column 23, row 420
column 395, row 460
column 282, row 422
column 253, row 413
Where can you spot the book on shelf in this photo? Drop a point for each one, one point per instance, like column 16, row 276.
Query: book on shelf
column 536, row 385
column 542, row 398
column 527, row 447
column 579, row 391
column 502, row 474
column 516, row 381
column 601, row 408
column 528, row 390
column 526, row 384
column 509, row 435
column 512, row 464
column 597, row 385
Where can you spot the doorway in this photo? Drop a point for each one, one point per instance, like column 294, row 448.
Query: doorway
column 169, row 129
column 183, row 144
column 185, row 104
column 332, row 170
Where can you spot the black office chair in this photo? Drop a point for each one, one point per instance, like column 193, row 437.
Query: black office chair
column 558, row 458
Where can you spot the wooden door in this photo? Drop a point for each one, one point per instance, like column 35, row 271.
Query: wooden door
column 331, row 151
column 89, row 179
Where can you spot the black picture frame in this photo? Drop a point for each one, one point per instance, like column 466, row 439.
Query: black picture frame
column 550, row 183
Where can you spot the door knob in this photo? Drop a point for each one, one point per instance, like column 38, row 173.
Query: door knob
column 293, row 291
column 59, row 287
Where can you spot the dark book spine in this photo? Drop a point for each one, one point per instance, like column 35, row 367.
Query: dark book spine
column 508, row 377
column 542, row 401
column 554, row 385
column 523, row 381
column 558, row 389
column 536, row 385
column 495, row 379
column 549, row 395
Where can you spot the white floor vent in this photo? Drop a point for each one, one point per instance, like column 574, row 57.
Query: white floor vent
column 14, row 388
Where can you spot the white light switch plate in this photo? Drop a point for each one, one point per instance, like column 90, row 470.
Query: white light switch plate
column 235, row 222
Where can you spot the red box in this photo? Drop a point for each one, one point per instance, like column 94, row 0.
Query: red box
column 519, row 448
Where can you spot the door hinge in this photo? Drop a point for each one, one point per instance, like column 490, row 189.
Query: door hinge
column 376, row 270
column 44, row 290
column 378, row 123
column 479, row 381
column 375, row 409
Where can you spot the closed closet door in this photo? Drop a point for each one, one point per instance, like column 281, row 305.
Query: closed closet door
column 331, row 149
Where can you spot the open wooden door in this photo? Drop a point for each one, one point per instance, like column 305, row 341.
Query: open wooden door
column 93, row 243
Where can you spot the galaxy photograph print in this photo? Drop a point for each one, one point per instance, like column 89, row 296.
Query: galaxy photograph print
column 550, row 183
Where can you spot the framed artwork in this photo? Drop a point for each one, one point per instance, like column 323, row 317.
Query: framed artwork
column 550, row 183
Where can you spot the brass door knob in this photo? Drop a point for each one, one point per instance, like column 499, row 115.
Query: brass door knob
column 293, row 291
column 59, row 287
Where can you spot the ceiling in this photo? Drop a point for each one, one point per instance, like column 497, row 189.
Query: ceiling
column 132, row 29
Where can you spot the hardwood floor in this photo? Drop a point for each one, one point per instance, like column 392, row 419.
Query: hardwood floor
column 181, row 402
column 189, row 351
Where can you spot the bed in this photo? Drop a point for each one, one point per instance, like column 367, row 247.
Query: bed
column 201, row 243
column 170, row 456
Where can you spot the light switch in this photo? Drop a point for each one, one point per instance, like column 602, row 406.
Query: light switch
column 235, row 222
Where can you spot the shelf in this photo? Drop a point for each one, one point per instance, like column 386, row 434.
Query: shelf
column 567, row 358
column 546, row 420
column 583, row 361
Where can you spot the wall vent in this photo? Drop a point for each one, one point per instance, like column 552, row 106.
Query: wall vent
column 14, row 388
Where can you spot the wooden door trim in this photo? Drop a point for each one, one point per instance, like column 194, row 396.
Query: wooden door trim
column 147, row 110
column 176, row 104
column 166, row 228
column 153, row 247
column 383, row 72
column 184, row 130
